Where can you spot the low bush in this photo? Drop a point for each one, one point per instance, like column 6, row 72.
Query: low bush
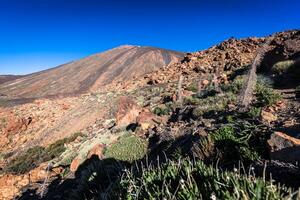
column 34, row 156
column 235, row 86
column 266, row 96
column 162, row 110
column 181, row 179
column 282, row 66
column 233, row 144
column 185, row 179
column 127, row 148
column 57, row 148
column 240, row 139
column 27, row 160
column 192, row 87
column 191, row 100
column 254, row 112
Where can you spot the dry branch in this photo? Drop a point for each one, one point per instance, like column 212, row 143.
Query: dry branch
column 247, row 91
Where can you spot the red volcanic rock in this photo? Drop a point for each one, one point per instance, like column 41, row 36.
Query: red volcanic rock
column 127, row 112
column 11, row 185
column 146, row 119
column 284, row 147
column 15, row 124
column 97, row 150
column 268, row 116
column 75, row 164
column 11, row 123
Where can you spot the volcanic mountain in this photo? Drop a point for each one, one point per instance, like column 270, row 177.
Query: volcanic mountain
column 90, row 73
column 6, row 78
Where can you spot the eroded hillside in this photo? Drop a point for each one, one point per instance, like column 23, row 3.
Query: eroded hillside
column 90, row 73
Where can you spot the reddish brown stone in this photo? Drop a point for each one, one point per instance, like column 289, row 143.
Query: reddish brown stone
column 75, row 164
column 127, row 113
column 146, row 119
column 97, row 150
column 284, row 147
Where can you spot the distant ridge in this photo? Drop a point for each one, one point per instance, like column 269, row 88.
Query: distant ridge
column 6, row 78
column 90, row 73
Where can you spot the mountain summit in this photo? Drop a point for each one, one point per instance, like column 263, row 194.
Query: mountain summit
column 92, row 72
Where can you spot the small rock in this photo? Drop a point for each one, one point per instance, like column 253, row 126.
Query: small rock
column 268, row 116
column 205, row 82
column 284, row 147
column 147, row 120
column 75, row 164
column 97, row 150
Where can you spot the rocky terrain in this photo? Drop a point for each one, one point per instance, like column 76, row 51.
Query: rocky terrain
column 160, row 131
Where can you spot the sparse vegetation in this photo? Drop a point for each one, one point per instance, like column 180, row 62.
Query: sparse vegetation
column 266, row 96
column 127, row 148
column 34, row 156
column 162, row 110
column 27, row 160
column 235, row 86
column 214, row 103
column 282, row 66
column 254, row 112
column 181, row 179
column 192, row 87
column 57, row 148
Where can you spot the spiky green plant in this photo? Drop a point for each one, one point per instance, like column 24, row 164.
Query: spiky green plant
column 181, row 179
column 265, row 95
column 186, row 179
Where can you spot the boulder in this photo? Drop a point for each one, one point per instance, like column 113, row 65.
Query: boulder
column 14, row 124
column 11, row 185
column 146, row 120
column 284, row 147
column 97, row 150
column 75, row 164
column 127, row 112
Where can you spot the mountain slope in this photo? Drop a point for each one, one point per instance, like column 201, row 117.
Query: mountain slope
column 88, row 74
column 6, row 78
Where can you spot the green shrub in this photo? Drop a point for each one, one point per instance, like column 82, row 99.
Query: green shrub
column 282, row 66
column 235, row 86
column 185, row 179
column 192, row 87
column 161, row 110
column 265, row 80
column 34, row 156
column 27, row 160
column 254, row 112
column 235, row 142
column 214, row 103
column 57, row 148
column 266, row 96
column 127, row 148
column 191, row 100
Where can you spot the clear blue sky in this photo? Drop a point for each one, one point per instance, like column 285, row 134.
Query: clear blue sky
column 38, row 34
